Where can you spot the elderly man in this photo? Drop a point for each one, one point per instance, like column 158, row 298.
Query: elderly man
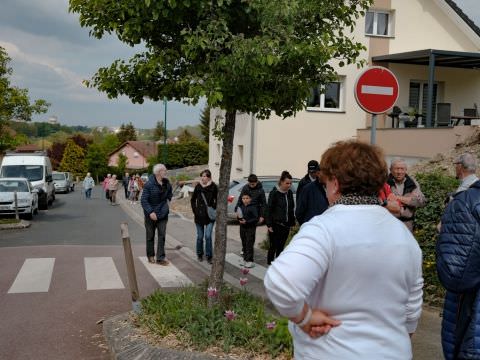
column 155, row 201
column 406, row 190
column 465, row 168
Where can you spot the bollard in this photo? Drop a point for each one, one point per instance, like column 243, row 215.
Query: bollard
column 132, row 277
column 15, row 201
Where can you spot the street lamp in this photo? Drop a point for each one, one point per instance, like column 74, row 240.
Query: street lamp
column 165, row 150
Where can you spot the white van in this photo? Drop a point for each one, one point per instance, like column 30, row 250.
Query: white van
column 37, row 168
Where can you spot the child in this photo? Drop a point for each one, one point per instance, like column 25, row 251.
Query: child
column 248, row 219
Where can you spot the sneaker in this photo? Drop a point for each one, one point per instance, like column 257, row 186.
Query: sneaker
column 151, row 259
column 209, row 260
column 241, row 262
column 241, row 252
column 200, row 258
column 163, row 262
column 249, row 264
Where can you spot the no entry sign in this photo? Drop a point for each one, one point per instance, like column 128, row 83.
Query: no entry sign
column 376, row 90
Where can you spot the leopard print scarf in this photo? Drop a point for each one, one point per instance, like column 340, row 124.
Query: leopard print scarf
column 356, row 199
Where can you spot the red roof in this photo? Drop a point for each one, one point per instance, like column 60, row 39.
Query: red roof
column 27, row 148
column 145, row 148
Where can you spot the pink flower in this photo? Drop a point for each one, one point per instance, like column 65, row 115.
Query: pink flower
column 212, row 292
column 230, row 315
column 243, row 281
column 271, row 325
column 244, row 271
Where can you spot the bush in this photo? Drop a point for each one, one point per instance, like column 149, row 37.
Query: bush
column 185, row 315
column 436, row 187
column 192, row 152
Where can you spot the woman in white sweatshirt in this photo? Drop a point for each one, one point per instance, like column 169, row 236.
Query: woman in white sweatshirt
column 351, row 279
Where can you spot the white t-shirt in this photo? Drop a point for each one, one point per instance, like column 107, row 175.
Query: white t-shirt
column 363, row 267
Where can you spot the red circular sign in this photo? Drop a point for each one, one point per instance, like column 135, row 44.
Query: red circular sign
column 376, row 90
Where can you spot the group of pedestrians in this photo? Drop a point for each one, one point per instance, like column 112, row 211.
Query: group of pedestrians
column 132, row 186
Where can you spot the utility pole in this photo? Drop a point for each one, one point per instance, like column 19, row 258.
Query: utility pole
column 165, row 150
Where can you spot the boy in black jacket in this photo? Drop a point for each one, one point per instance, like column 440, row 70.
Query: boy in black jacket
column 248, row 218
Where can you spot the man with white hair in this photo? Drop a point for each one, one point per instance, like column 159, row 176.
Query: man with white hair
column 407, row 192
column 465, row 168
column 155, row 200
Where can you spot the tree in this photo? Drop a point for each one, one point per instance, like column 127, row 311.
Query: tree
column 14, row 104
column 159, row 131
column 205, row 123
column 55, row 153
column 253, row 56
column 122, row 164
column 185, row 136
column 127, row 133
column 96, row 160
column 73, row 159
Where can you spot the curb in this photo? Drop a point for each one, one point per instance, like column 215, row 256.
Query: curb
column 23, row 224
column 125, row 344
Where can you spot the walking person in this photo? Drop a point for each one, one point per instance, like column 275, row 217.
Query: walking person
column 113, row 188
column 204, row 196
column 279, row 215
column 105, row 185
column 125, row 182
column 350, row 281
column 155, row 200
column 131, row 189
column 88, row 184
column 247, row 216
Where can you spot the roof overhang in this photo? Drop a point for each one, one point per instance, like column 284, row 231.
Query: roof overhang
column 444, row 58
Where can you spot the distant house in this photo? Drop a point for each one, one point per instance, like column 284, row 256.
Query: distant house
column 28, row 148
column 137, row 153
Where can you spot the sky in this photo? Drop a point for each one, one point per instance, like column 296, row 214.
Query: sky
column 471, row 8
column 51, row 56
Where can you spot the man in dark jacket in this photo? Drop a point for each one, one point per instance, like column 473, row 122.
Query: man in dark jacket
column 313, row 171
column 458, row 267
column 155, row 200
column 312, row 202
column 254, row 188
column 125, row 181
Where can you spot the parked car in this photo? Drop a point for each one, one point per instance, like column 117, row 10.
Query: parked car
column 71, row 180
column 268, row 183
column 27, row 197
column 37, row 168
column 61, row 182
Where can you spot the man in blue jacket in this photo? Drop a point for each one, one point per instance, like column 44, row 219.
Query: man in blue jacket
column 311, row 202
column 155, row 200
column 458, row 267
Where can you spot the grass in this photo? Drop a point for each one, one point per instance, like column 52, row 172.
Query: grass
column 186, row 316
column 9, row 221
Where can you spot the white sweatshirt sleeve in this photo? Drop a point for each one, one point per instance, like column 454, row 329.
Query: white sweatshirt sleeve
column 293, row 275
column 415, row 299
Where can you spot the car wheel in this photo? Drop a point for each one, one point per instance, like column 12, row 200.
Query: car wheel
column 35, row 212
column 43, row 203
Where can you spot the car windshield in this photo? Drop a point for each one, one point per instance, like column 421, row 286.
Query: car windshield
column 31, row 172
column 13, row 185
column 58, row 176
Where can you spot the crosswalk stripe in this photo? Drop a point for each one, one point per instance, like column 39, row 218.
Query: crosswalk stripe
column 34, row 276
column 258, row 271
column 166, row 276
column 101, row 274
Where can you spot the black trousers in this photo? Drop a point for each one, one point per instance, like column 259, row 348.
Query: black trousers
column 247, row 234
column 161, row 227
column 277, row 241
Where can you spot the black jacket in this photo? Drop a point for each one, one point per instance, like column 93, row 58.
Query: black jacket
column 258, row 197
column 155, row 197
column 280, row 208
column 301, row 185
column 312, row 202
column 250, row 215
column 198, row 204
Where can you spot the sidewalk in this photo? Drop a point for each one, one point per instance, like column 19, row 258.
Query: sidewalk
column 181, row 233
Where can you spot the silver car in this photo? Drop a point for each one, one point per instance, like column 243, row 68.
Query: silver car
column 268, row 183
column 61, row 182
column 27, row 197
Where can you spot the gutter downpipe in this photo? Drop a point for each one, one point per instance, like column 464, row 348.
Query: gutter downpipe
column 252, row 139
column 431, row 79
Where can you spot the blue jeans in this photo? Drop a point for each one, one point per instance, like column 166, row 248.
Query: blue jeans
column 88, row 193
column 204, row 230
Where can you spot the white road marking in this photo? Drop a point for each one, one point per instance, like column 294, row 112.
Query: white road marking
column 34, row 276
column 258, row 270
column 166, row 276
column 377, row 90
column 101, row 274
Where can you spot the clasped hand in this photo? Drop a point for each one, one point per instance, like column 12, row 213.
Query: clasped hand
column 320, row 324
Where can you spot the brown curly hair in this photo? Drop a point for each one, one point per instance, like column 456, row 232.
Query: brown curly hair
column 360, row 168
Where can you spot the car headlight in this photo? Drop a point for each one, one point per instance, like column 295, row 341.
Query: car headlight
column 23, row 201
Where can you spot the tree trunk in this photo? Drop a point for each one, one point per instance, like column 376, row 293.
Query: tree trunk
column 220, row 249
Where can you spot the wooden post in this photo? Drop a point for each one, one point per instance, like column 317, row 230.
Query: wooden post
column 132, row 277
column 15, row 201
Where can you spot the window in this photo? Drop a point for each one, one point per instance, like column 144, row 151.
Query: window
column 328, row 98
column 378, row 23
column 418, row 96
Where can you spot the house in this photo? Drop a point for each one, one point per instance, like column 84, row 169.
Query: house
column 432, row 46
column 137, row 153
